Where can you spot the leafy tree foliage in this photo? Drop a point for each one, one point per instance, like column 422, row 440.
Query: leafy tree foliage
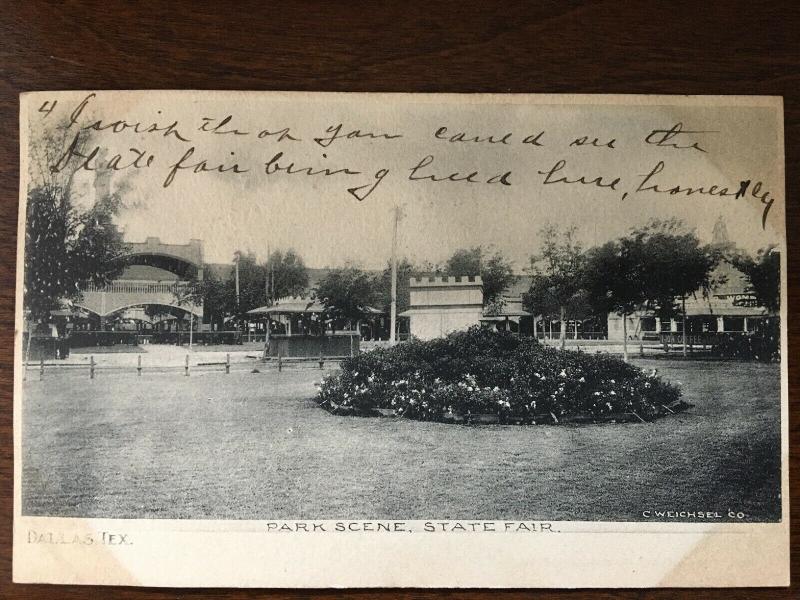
column 494, row 269
column 347, row 291
column 287, row 274
column 614, row 281
column 557, row 277
column 216, row 296
column 763, row 273
column 672, row 264
column 67, row 247
column 283, row 274
column 67, row 243
column 653, row 267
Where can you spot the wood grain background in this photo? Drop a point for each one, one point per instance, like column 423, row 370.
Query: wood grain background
column 566, row 46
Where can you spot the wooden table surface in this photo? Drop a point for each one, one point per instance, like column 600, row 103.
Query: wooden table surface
column 692, row 47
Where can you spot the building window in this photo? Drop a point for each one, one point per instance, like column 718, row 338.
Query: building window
column 733, row 323
column 648, row 324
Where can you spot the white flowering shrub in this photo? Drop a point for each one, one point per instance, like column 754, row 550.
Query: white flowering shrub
column 487, row 372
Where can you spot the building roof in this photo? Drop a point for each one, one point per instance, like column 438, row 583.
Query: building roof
column 733, row 281
column 191, row 252
column 147, row 273
column 295, row 305
column 724, row 310
column 290, row 306
column 520, row 286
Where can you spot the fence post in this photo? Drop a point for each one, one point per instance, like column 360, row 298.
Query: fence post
column 41, row 369
column 641, row 349
column 186, row 366
column 91, row 366
column 280, row 362
column 139, row 365
column 227, row 363
column 321, row 361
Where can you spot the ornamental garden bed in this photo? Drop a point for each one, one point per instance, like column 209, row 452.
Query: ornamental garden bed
column 484, row 377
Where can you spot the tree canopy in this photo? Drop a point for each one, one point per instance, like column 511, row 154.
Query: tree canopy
column 346, row 292
column 283, row 274
column 614, row 282
column 287, row 274
column 613, row 278
column 67, row 247
column 495, row 270
column 763, row 273
column 557, row 277
column 673, row 264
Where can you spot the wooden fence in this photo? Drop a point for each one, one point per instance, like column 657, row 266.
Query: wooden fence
column 92, row 368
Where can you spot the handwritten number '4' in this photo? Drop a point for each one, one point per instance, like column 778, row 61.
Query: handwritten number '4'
column 48, row 107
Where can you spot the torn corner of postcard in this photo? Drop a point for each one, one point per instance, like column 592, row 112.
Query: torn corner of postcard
column 367, row 340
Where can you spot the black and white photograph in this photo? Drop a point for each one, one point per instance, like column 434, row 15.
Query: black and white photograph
column 406, row 313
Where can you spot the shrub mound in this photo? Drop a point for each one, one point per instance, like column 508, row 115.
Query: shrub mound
column 471, row 375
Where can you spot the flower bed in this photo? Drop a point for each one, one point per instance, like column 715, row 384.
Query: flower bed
column 481, row 375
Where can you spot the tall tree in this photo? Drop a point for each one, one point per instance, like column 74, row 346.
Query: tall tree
column 614, row 282
column 763, row 273
column 216, row 296
column 252, row 276
column 69, row 241
column 286, row 274
column 494, row 269
column 673, row 266
column 346, row 292
column 557, row 272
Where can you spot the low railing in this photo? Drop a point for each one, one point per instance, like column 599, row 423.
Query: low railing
column 86, row 339
column 199, row 338
column 571, row 335
column 138, row 287
column 705, row 339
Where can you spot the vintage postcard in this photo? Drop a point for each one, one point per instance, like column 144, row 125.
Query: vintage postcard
column 273, row 339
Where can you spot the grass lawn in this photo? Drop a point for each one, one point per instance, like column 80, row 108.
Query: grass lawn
column 255, row 446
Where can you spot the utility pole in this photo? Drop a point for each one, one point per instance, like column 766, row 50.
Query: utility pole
column 683, row 335
column 393, row 311
column 236, row 260
column 272, row 281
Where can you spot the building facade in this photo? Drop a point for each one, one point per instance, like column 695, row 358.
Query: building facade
column 441, row 305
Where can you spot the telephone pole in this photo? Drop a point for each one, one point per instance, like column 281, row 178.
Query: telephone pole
column 393, row 311
column 236, row 260
column 267, row 274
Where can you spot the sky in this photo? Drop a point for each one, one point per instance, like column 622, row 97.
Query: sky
column 315, row 215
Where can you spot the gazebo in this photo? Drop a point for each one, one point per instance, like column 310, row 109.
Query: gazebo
column 295, row 310
column 302, row 332
column 503, row 319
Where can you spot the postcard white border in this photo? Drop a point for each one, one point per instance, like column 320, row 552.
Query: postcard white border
column 208, row 553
